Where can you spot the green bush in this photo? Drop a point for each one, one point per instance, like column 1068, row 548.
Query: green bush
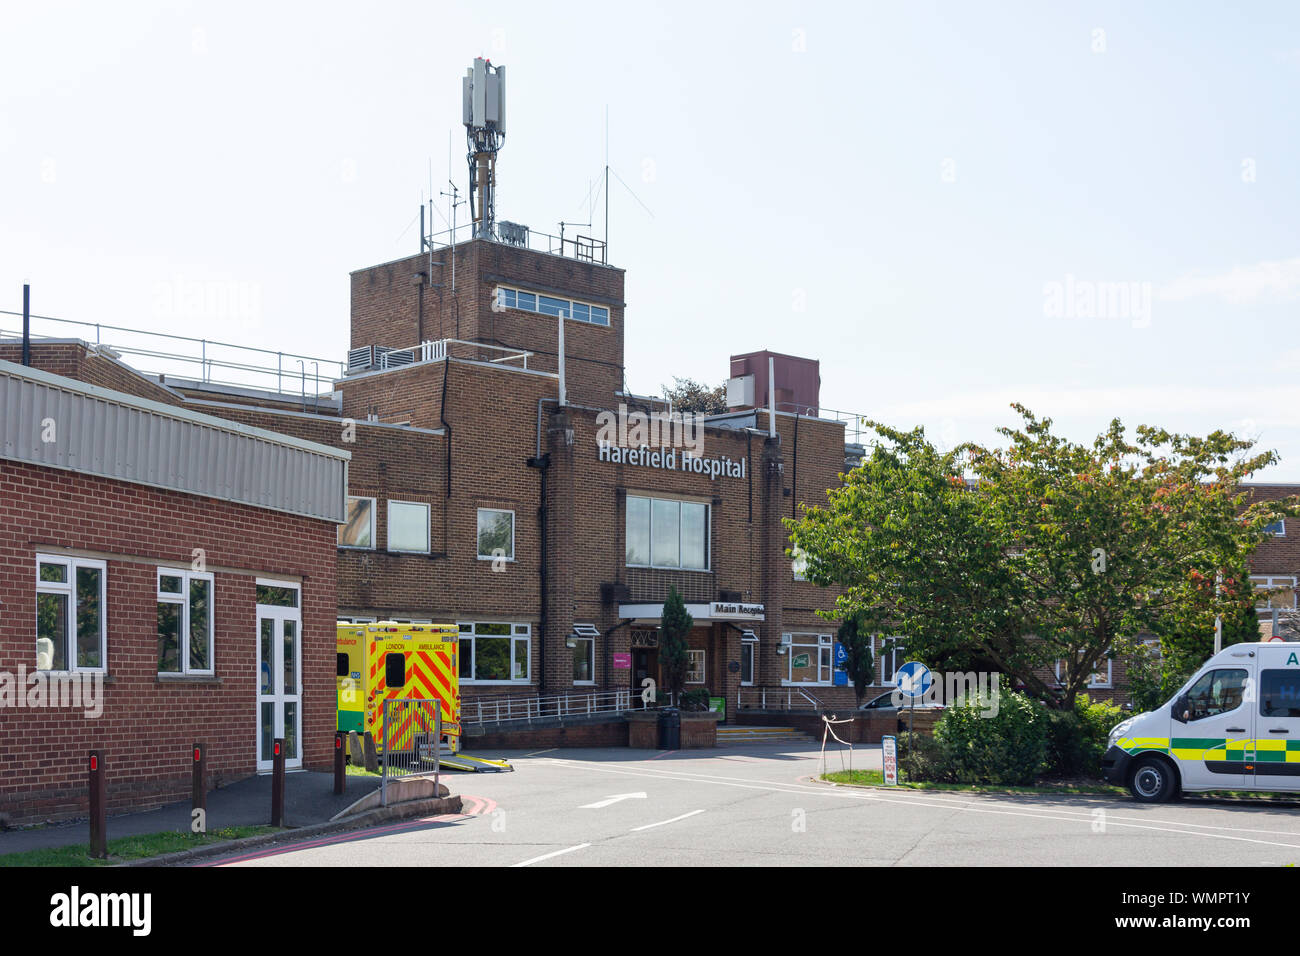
column 1008, row 749
column 695, row 700
column 920, row 759
column 1077, row 739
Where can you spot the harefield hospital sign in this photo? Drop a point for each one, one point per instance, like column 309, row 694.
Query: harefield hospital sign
column 673, row 459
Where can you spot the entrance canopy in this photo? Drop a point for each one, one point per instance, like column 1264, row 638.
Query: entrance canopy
column 702, row 613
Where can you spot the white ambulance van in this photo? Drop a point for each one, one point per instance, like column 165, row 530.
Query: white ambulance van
column 1234, row 726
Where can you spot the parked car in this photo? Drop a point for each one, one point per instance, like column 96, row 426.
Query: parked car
column 886, row 702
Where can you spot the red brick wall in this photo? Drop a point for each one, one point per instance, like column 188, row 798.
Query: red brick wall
column 76, row 361
column 148, row 725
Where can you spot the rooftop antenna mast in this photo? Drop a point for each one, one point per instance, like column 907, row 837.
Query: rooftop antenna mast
column 483, row 98
column 453, row 200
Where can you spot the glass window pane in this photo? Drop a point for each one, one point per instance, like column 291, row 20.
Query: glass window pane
column 549, row 306
column 583, row 653
column 665, row 545
column 526, row 300
column 520, row 671
column 1217, row 692
column 491, row 627
column 803, row 663
column 695, row 535
column 52, row 632
column 408, row 527
column 599, row 316
column 466, row 649
column 508, row 298
column 491, row 658
column 496, row 533
column 169, row 638
column 264, row 658
column 290, row 730
column 57, row 573
column 290, row 657
column 89, row 585
column 356, row 531
column 277, row 596
column 169, row 583
column 200, row 624
column 747, row 663
column 638, row 530
column 581, row 312
column 1279, row 693
column 268, row 722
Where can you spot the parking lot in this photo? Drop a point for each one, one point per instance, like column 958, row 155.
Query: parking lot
column 761, row 805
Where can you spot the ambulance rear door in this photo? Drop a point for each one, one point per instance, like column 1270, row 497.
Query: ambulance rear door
column 1277, row 718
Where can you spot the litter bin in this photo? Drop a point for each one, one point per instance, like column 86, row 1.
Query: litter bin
column 670, row 729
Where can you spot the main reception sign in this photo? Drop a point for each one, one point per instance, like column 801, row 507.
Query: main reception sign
column 673, row 459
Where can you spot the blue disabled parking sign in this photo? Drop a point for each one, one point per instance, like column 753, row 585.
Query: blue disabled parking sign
column 913, row 679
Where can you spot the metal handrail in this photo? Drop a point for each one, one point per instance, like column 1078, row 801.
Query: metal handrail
column 436, row 350
column 492, row 710
column 186, row 355
column 777, row 697
column 583, row 248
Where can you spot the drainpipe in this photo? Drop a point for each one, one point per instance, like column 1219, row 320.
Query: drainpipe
column 541, row 463
column 27, row 324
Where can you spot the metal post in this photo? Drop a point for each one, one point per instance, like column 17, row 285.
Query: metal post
column 383, row 775
column 437, row 747
column 340, row 774
column 199, row 788
column 98, row 806
column 277, row 783
column 27, row 324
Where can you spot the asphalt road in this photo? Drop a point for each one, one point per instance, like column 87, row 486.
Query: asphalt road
column 757, row 805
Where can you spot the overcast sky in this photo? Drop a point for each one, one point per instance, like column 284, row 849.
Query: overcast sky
column 1090, row 208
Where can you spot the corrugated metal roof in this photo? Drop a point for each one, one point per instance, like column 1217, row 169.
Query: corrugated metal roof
column 58, row 422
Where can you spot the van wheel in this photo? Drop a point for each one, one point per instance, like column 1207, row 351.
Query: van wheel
column 1152, row 781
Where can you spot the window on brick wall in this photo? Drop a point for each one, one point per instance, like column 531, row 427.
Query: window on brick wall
column 71, row 603
column 508, row 298
column 809, row 658
column 665, row 533
column 496, row 534
column 584, row 660
column 184, row 622
column 494, row 652
column 889, row 658
column 1283, row 588
column 358, row 531
column 408, row 527
column 1098, row 678
column 695, row 666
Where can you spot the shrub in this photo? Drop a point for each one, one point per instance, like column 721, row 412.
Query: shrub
column 1007, row 749
column 695, row 700
column 920, row 759
column 1077, row 739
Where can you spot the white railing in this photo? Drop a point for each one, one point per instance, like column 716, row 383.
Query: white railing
column 379, row 358
column 492, row 710
column 788, row 697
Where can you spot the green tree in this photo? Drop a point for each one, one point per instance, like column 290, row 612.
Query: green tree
column 860, row 665
column 1046, row 553
column 688, row 395
column 674, row 627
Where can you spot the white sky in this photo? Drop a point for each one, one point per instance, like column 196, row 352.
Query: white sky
column 891, row 188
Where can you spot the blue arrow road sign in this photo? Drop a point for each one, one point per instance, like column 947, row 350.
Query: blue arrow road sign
column 913, row 679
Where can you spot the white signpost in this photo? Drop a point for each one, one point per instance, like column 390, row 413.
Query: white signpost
column 889, row 756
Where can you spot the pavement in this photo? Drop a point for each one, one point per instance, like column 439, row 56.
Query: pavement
column 308, row 799
column 758, row 805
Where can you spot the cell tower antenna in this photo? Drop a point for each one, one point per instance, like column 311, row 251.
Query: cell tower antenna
column 483, row 99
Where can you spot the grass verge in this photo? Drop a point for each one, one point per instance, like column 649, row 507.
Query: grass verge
column 130, row 848
column 877, row 778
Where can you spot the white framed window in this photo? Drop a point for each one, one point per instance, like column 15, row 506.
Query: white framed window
column 667, row 533
column 695, row 666
column 353, row 619
column 71, row 614
column 1277, row 528
column 508, row 298
column 184, row 621
column 584, row 660
column 358, row 531
column 748, row 656
column 799, row 564
column 495, row 652
column 890, row 655
column 809, row 658
column 1284, row 599
column 1098, row 678
column 408, row 527
column 496, row 534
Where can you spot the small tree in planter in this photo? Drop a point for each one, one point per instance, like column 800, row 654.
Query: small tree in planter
column 674, row 626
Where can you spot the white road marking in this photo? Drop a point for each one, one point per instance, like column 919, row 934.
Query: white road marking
column 549, row 750
column 1042, row 813
column 651, row 826
column 601, row 804
column 547, row 856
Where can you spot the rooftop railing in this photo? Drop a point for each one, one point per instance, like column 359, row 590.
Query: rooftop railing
column 572, row 244
column 202, row 360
